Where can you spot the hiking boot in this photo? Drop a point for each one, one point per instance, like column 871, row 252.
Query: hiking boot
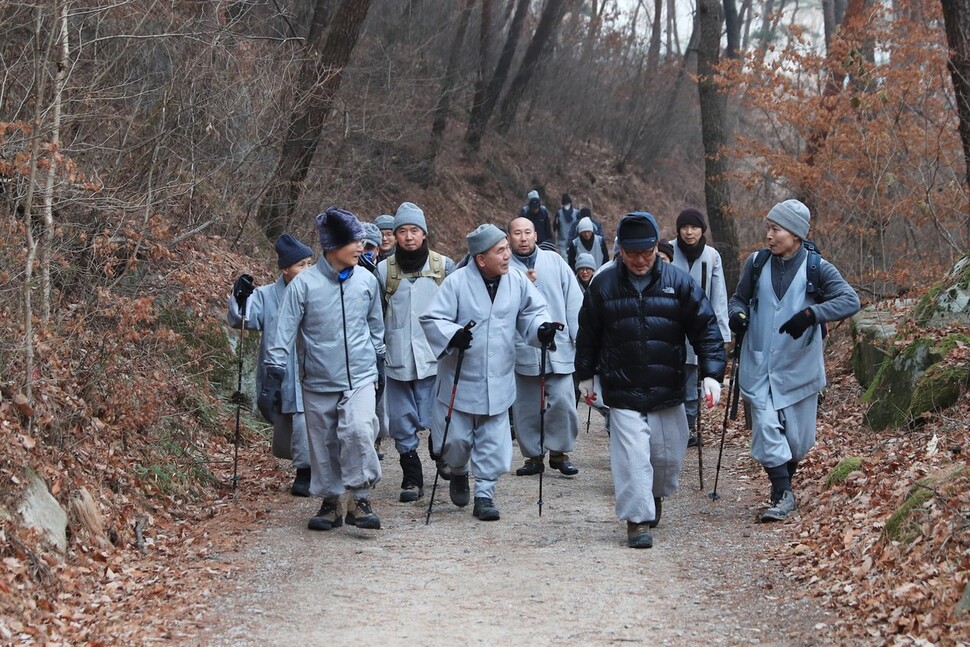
column 363, row 516
column 692, row 440
column 532, row 467
column 412, row 485
column 458, row 489
column 657, row 506
column 562, row 463
column 637, row 535
column 327, row 518
column 444, row 470
column 780, row 509
column 301, row 484
column 485, row 510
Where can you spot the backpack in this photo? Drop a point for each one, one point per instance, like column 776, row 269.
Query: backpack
column 436, row 270
column 812, row 269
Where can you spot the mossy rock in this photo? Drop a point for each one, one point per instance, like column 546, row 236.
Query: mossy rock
column 948, row 302
column 904, row 524
column 873, row 331
column 841, row 472
column 917, row 369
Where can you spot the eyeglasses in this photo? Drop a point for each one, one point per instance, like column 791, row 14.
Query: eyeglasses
column 643, row 254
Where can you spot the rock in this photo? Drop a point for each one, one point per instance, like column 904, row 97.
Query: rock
column 948, row 302
column 841, row 472
column 42, row 511
column 873, row 331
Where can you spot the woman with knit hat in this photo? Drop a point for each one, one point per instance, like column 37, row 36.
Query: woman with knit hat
column 693, row 255
column 335, row 309
column 782, row 364
column 259, row 308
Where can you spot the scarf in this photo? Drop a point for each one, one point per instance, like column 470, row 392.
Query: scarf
column 692, row 253
column 412, row 262
column 529, row 260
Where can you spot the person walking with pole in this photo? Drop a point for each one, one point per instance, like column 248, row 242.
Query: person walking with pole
column 695, row 256
column 259, row 308
column 632, row 327
column 555, row 281
column 333, row 310
column 503, row 304
column 778, row 315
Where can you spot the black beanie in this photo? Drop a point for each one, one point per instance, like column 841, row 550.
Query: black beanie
column 566, row 199
column 691, row 216
column 666, row 248
column 291, row 251
column 585, row 213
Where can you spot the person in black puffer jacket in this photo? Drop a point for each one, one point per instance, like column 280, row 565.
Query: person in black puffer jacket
column 632, row 326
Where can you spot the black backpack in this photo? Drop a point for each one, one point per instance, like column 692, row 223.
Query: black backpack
column 812, row 270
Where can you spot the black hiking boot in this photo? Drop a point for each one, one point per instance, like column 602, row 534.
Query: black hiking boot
column 458, row 489
column 485, row 510
column 327, row 518
column 637, row 535
column 301, row 484
column 562, row 463
column 781, row 508
column 532, row 467
column 362, row 516
column 657, row 506
column 412, row 484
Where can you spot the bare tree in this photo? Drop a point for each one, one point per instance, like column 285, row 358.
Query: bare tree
column 732, row 24
column 482, row 112
column 956, row 16
column 319, row 84
column 447, row 88
column 653, row 52
column 716, row 189
column 551, row 17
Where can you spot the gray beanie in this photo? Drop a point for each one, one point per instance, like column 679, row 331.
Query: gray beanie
column 384, row 222
column 533, row 195
column 372, row 234
column 585, row 225
column 585, row 260
column 410, row 214
column 792, row 215
column 483, row 239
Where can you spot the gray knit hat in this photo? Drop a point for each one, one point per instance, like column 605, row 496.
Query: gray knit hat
column 410, row 214
column 384, row 222
column 532, row 195
column 792, row 215
column 585, row 225
column 585, row 260
column 483, row 239
column 372, row 234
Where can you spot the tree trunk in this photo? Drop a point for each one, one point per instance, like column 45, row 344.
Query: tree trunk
column 716, row 189
column 447, row 87
column 733, row 27
column 956, row 17
column 484, row 47
column 673, row 38
column 320, row 80
column 653, row 53
column 479, row 118
column 548, row 25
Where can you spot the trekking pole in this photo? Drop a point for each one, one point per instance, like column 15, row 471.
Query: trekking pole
column 542, row 410
column 730, row 408
column 700, row 398
column 589, row 414
column 451, row 408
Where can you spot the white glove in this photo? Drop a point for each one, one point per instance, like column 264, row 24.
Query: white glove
column 712, row 392
column 586, row 390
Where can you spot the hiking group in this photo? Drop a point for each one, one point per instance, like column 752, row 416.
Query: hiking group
column 383, row 336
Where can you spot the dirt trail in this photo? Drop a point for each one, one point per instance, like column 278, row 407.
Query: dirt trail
column 567, row 576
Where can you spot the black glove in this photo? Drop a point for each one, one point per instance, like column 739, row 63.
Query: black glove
column 547, row 334
column 797, row 325
column 461, row 340
column 270, row 400
column 381, row 378
column 241, row 290
column 738, row 323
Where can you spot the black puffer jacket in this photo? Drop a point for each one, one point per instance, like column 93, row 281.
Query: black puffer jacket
column 635, row 341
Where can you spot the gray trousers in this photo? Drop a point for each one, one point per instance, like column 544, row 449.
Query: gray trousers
column 561, row 420
column 410, row 405
column 646, row 455
column 486, row 440
column 341, row 429
column 783, row 435
column 290, row 439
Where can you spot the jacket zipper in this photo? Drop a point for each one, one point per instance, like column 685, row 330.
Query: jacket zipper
column 343, row 316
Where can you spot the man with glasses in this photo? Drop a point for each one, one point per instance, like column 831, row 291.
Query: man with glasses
column 632, row 328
